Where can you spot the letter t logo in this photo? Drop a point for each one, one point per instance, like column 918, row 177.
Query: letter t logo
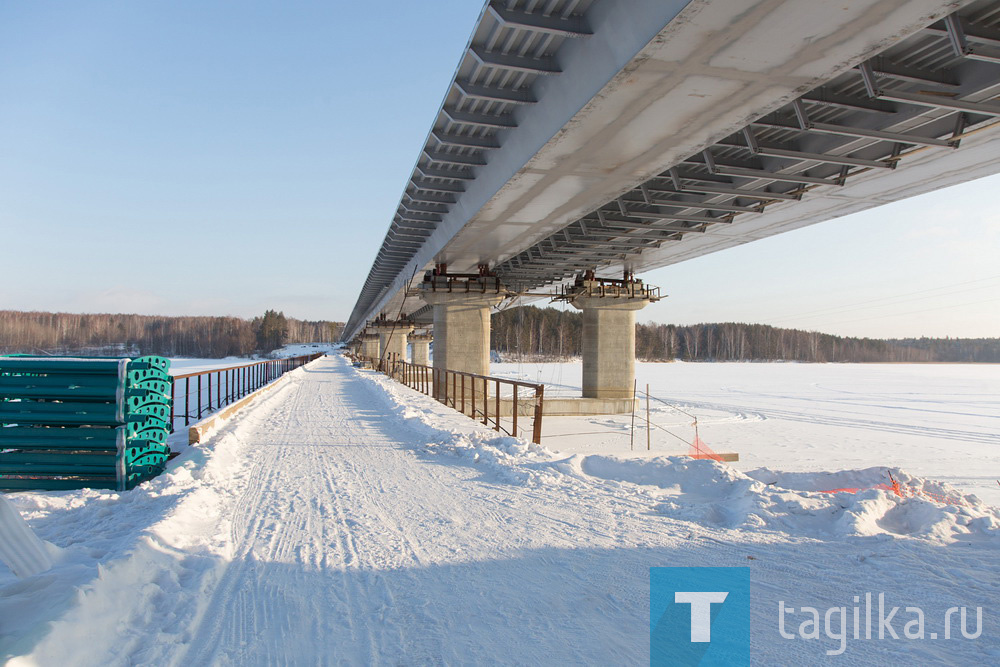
column 701, row 611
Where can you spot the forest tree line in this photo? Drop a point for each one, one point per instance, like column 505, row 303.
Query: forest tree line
column 110, row 334
column 548, row 333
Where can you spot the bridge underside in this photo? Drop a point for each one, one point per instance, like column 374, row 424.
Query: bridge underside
column 723, row 129
column 915, row 118
column 734, row 122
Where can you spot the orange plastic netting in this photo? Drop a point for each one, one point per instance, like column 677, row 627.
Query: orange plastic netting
column 699, row 450
column 904, row 492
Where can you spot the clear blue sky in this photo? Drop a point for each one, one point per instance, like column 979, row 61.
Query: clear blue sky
column 223, row 158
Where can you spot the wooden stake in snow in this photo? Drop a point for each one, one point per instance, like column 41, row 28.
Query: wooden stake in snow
column 649, row 428
column 631, row 437
column 20, row 548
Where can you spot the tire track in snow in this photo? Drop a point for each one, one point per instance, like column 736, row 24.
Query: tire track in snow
column 246, row 523
column 286, row 520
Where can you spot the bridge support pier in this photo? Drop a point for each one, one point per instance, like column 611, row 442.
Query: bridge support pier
column 369, row 345
column 392, row 339
column 609, row 308
column 421, row 351
column 462, row 330
column 462, row 304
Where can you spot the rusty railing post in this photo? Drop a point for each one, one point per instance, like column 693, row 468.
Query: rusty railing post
column 498, row 405
column 513, row 411
column 536, row 435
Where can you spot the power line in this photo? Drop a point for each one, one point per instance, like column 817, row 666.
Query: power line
column 863, row 304
column 922, row 310
column 893, row 303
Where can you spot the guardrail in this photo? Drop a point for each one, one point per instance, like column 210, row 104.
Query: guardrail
column 214, row 389
column 481, row 397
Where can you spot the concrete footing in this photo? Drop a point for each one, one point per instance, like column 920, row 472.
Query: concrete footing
column 568, row 407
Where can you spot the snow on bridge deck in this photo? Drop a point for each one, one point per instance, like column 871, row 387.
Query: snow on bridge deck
column 347, row 519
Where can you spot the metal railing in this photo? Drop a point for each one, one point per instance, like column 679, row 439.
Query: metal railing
column 197, row 395
column 481, row 397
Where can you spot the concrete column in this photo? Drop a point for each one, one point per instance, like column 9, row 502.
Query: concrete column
column 392, row 340
column 421, row 352
column 369, row 346
column 609, row 335
column 462, row 329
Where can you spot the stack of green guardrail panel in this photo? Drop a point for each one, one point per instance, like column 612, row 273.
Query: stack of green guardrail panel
column 78, row 422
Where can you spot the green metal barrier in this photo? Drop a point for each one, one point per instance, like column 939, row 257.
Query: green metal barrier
column 81, row 422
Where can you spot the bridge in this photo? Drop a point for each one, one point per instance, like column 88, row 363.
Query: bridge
column 582, row 142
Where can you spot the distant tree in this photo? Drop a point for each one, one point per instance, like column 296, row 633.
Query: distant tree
column 271, row 331
column 125, row 334
column 529, row 331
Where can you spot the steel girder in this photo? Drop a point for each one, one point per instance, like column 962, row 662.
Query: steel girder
column 492, row 81
column 920, row 94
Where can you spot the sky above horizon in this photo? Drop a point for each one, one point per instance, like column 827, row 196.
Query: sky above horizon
column 186, row 158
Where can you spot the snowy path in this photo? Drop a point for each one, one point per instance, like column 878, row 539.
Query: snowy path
column 348, row 520
column 354, row 543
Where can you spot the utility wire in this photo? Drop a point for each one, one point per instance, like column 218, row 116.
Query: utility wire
column 858, row 304
column 923, row 310
column 891, row 304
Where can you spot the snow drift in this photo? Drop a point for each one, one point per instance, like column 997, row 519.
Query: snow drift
column 20, row 548
column 712, row 493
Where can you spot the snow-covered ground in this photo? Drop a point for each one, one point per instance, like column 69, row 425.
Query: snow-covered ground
column 347, row 519
column 185, row 365
column 940, row 421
